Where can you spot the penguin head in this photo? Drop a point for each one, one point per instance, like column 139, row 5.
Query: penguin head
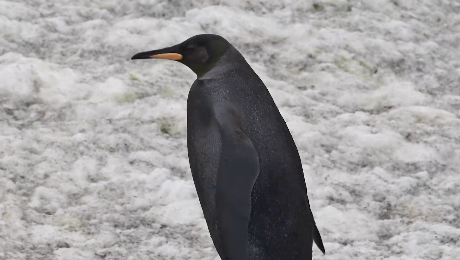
column 200, row 53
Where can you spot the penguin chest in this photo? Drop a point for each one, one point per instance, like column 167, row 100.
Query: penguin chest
column 204, row 148
column 203, row 143
column 203, row 138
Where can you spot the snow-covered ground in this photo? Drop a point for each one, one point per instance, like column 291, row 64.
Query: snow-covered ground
column 93, row 159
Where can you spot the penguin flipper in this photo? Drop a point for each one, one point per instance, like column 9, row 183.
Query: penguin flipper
column 318, row 240
column 237, row 172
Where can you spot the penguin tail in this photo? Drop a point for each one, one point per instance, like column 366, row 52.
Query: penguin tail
column 318, row 240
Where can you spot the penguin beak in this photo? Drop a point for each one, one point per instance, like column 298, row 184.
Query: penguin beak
column 166, row 53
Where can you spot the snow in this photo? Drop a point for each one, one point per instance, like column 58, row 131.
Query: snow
column 93, row 159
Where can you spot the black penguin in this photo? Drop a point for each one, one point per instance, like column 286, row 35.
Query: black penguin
column 245, row 164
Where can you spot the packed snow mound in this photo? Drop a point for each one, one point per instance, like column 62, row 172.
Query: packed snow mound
column 93, row 159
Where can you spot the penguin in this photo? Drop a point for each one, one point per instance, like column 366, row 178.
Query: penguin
column 244, row 162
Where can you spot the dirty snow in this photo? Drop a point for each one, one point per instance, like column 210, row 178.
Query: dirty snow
column 93, row 159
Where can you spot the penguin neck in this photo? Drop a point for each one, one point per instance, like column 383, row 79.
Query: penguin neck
column 231, row 60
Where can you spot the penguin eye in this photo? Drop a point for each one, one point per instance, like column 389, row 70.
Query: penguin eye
column 197, row 54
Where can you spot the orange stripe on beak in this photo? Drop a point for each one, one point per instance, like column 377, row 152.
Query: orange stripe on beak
column 167, row 56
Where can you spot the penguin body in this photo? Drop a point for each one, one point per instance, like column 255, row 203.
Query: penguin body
column 245, row 165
